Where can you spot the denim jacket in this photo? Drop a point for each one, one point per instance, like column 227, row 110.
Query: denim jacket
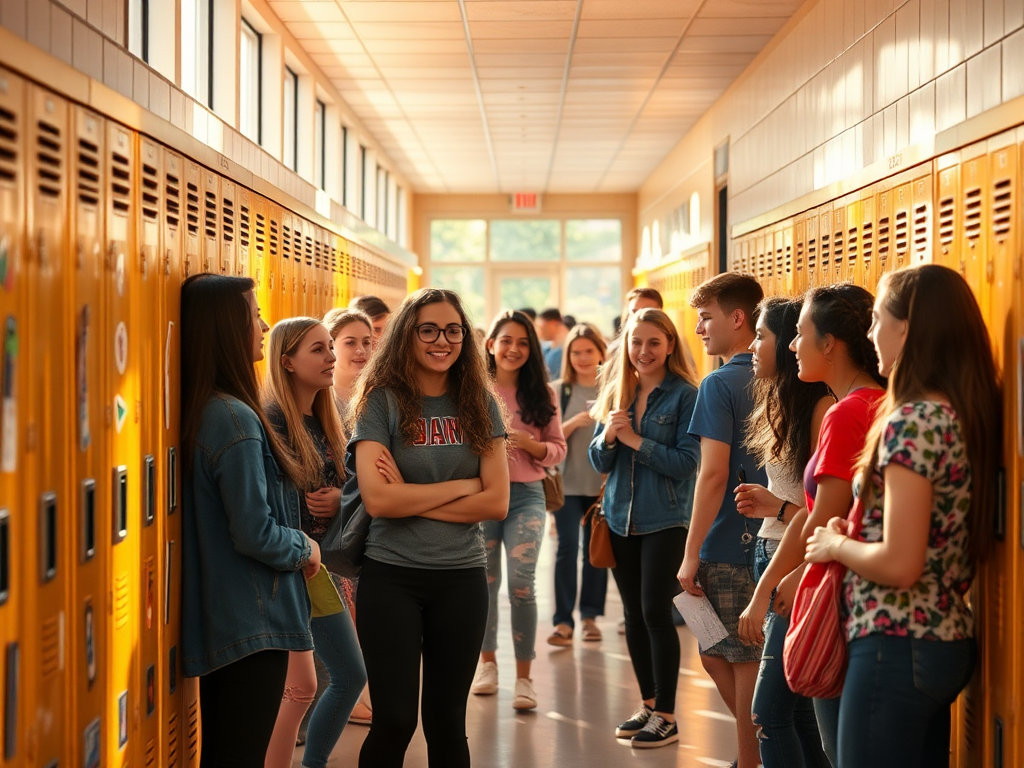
column 652, row 489
column 242, row 552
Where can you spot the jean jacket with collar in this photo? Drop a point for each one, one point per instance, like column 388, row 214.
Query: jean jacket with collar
column 242, row 553
column 651, row 489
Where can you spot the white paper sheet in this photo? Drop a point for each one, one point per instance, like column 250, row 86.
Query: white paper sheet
column 701, row 618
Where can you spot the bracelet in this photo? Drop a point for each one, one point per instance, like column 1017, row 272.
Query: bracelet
column 782, row 512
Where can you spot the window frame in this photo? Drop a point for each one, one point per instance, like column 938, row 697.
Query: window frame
column 319, row 144
column 290, row 139
column 244, row 28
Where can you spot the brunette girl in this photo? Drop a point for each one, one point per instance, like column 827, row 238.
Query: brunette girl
column 929, row 492
column 644, row 445
column 242, row 547
column 515, row 361
column 299, row 403
column 577, row 390
column 423, row 589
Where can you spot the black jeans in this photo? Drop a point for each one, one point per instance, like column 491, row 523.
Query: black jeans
column 645, row 571
column 239, row 706
column 409, row 614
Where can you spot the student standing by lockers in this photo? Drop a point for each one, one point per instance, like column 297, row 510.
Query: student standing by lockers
column 515, row 362
column 423, row 589
column 650, row 457
column 242, row 549
column 719, row 558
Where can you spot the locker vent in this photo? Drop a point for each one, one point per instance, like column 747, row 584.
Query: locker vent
column 273, row 237
column 151, row 752
column 837, row 252
column 193, row 730
column 48, row 155
column 799, row 256
column 261, row 232
column 243, row 229
column 760, row 263
column 883, row 240
column 1002, row 203
column 309, row 251
column 122, row 603
column 947, row 222
column 812, row 254
column 902, row 235
column 8, row 146
column 120, row 183
column 825, row 245
column 779, row 260
column 172, row 190
column 172, row 740
column 789, row 259
column 286, row 243
column 921, row 232
column 192, row 209
column 228, row 219
column 972, row 223
column 867, row 245
column 318, row 261
column 150, row 193
column 851, row 248
column 210, row 226
column 88, row 173
column 334, row 259
column 50, row 647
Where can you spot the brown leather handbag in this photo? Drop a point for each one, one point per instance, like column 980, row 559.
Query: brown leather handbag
column 601, row 555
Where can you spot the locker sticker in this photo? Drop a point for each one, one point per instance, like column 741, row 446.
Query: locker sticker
column 82, row 378
column 9, row 435
column 6, row 273
column 150, row 690
column 167, row 376
column 121, row 347
column 90, row 645
column 119, row 274
column 120, row 412
column 122, row 720
column 91, row 745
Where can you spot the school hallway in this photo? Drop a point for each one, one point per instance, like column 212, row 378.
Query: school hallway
column 583, row 692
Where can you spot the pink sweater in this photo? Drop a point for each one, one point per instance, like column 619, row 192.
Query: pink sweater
column 522, row 467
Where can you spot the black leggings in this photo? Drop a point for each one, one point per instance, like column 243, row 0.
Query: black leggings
column 239, row 706
column 409, row 614
column 645, row 571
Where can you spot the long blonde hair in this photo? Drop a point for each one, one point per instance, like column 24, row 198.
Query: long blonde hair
column 279, row 393
column 618, row 391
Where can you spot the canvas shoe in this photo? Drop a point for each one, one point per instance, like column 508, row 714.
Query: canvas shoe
column 635, row 723
column 485, row 682
column 656, row 733
column 525, row 696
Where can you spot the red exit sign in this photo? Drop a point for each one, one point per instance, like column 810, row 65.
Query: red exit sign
column 526, row 202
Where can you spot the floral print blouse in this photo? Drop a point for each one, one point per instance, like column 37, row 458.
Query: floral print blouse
column 924, row 437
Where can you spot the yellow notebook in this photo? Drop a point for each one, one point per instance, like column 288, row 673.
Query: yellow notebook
column 323, row 595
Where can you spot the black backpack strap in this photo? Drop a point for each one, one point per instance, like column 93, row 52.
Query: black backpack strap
column 566, row 394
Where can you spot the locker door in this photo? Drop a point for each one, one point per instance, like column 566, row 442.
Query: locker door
column 884, row 233
column 278, row 263
column 947, row 239
column 16, row 477
column 87, row 628
column 243, row 254
column 228, row 226
column 822, row 274
column 758, row 266
column 868, row 257
column 169, row 373
column 146, row 316
column 811, row 262
column 291, row 254
column 973, row 212
column 902, row 197
column 193, row 249
column 210, row 235
column 779, row 266
column 799, row 255
column 921, row 220
column 304, row 257
column 124, row 470
column 838, row 268
column 853, row 271
column 786, row 280
column 47, row 435
column 259, row 258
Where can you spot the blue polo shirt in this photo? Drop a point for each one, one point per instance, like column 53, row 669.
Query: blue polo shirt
column 724, row 402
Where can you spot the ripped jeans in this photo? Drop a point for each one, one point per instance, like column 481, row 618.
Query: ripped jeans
column 522, row 532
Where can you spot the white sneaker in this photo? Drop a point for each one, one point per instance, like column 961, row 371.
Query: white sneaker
column 485, row 682
column 525, row 697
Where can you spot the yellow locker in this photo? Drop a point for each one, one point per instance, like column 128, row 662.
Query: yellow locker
column 123, row 397
column 868, row 236
column 304, row 262
column 921, row 219
column 87, row 633
column 947, row 220
column 243, row 250
column 47, row 435
column 210, row 234
column 973, row 213
column 169, row 373
column 821, row 274
column 15, row 481
column 193, row 248
column 799, row 255
column 757, row 267
column 278, row 262
column 902, row 201
column 837, row 270
column 811, row 255
column 787, row 285
column 854, row 208
column 779, row 266
column 259, row 253
column 884, row 237
column 146, row 306
column 229, row 223
column 291, row 254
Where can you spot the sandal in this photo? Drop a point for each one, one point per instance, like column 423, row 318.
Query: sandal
column 562, row 636
column 591, row 632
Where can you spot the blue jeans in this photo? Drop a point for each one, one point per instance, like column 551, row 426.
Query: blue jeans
column 595, row 580
column 894, row 710
column 787, row 728
column 334, row 641
column 522, row 532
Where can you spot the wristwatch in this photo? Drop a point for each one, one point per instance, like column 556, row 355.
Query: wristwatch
column 782, row 512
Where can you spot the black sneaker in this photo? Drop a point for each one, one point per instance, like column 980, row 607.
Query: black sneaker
column 635, row 724
column 656, row 733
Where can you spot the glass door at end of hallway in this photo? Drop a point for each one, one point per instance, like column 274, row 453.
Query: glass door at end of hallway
column 538, row 288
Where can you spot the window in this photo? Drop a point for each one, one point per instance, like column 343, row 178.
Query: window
column 399, row 217
column 138, row 28
column 594, row 292
column 319, row 150
column 593, row 240
column 291, row 119
column 530, row 240
column 362, row 188
column 468, row 282
column 458, row 240
column 382, row 200
column 250, row 83
column 197, row 49
column 344, row 166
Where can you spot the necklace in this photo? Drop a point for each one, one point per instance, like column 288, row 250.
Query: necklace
column 849, row 389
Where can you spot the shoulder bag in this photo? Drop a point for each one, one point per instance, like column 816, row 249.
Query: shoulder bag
column 554, row 490
column 601, row 555
column 814, row 654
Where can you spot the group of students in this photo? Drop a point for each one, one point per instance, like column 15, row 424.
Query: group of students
column 725, row 487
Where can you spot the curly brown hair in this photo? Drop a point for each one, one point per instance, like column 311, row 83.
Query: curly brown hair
column 393, row 366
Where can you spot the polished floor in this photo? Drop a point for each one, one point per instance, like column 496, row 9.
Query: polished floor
column 583, row 692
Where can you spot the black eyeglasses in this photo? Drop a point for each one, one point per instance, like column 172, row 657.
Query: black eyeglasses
column 430, row 333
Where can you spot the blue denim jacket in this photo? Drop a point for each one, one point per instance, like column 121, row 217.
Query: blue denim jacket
column 242, row 587
column 652, row 489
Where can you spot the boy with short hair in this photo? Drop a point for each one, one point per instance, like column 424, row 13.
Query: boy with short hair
column 720, row 548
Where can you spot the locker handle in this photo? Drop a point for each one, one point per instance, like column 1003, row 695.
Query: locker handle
column 172, row 480
column 5, row 555
column 149, row 491
column 120, row 499
column 88, row 522
column 47, row 537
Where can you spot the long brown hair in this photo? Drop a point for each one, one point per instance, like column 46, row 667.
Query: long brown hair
column 947, row 350
column 216, row 357
column 619, row 390
column 279, row 392
column 581, row 331
column 532, row 392
column 393, row 366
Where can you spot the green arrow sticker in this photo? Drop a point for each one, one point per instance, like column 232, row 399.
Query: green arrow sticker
column 120, row 411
